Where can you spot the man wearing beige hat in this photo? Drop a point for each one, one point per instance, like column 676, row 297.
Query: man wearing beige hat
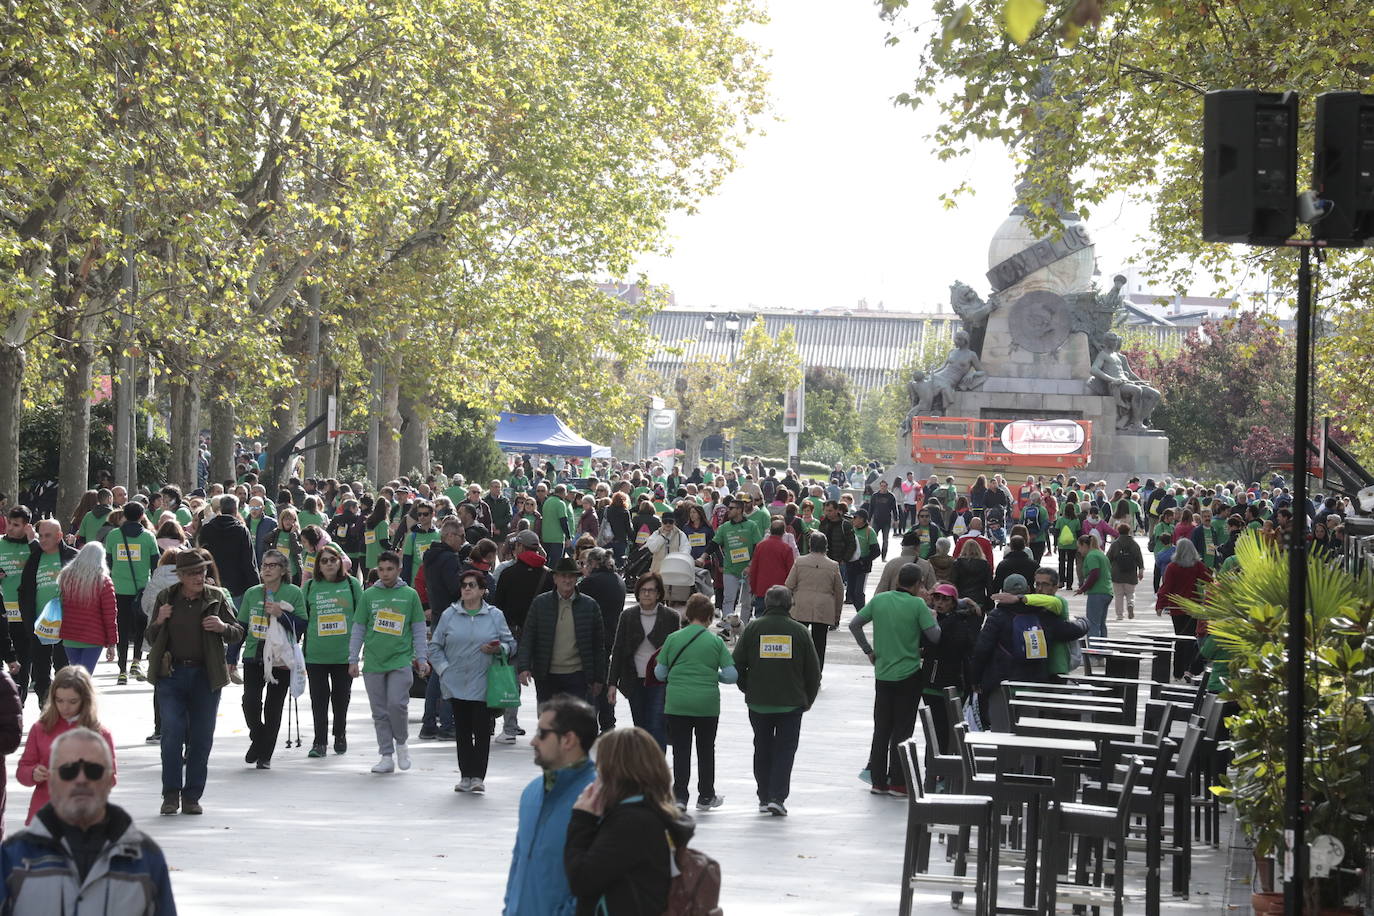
column 192, row 626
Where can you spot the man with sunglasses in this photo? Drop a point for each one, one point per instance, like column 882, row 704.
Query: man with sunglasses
column 422, row 534
column 81, row 848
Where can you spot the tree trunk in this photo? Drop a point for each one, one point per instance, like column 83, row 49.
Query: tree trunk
column 414, row 436
column 184, row 432
column 12, row 359
column 691, row 448
column 74, row 435
column 389, row 422
column 281, row 427
column 222, row 429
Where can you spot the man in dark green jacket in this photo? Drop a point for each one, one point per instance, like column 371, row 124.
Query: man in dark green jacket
column 780, row 676
column 563, row 643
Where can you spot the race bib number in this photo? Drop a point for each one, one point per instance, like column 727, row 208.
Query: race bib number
column 1211, row 549
column 48, row 629
column 775, row 647
column 641, row 538
column 420, row 548
column 331, row 624
column 12, row 611
column 369, row 537
column 309, row 565
column 389, row 622
column 257, row 626
column 341, row 532
column 130, row 553
column 697, row 540
column 740, row 555
column 1035, row 644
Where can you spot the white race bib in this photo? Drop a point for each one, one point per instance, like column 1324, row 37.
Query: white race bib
column 129, row 553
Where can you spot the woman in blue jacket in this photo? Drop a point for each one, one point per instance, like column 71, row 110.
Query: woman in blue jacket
column 467, row 638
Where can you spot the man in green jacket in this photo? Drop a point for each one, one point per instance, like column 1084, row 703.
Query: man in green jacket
column 780, row 676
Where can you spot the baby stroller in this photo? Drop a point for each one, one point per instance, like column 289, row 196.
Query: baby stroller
column 997, row 532
column 682, row 578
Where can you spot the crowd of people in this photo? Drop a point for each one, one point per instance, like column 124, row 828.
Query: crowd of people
column 590, row 582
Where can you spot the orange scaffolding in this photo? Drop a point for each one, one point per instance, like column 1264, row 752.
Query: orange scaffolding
column 953, row 441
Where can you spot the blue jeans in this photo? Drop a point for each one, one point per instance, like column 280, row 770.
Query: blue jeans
column 436, row 709
column 1097, row 615
column 854, row 581
column 776, row 736
column 646, row 709
column 188, row 706
column 86, row 658
column 554, row 552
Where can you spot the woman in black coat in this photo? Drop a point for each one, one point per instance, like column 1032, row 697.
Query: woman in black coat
column 972, row 575
column 617, row 854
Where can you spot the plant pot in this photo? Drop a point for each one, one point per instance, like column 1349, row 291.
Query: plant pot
column 1267, row 904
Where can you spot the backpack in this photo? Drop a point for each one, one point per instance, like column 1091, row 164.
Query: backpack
column 1031, row 519
column 695, row 889
column 1066, row 536
column 960, row 526
column 1028, row 639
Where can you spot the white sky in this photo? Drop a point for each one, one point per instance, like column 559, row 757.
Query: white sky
column 840, row 200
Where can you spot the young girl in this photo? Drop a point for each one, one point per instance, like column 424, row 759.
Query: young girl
column 71, row 704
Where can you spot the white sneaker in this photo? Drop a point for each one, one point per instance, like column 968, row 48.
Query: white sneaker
column 506, row 738
column 402, row 755
column 463, row 784
column 385, row 765
column 477, row 787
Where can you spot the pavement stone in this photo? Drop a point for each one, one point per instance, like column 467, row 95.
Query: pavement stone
column 329, row 836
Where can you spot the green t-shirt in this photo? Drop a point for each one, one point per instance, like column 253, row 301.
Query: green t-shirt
column 554, row 511
column 283, row 543
column 417, row 542
column 131, row 559
column 329, row 619
column 13, row 556
column 898, row 619
column 255, row 620
column 1160, row 528
column 1059, row 651
column 1096, row 559
column 693, row 681
column 373, row 541
column 309, row 518
column 183, row 516
column 519, row 483
column 760, row 518
column 736, row 540
column 1060, row 524
column 456, row 495
column 388, row 616
column 91, row 525
column 49, row 565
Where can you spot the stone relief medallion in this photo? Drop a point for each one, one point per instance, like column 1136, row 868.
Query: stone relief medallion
column 1040, row 321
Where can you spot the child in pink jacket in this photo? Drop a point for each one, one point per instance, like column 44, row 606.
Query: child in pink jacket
column 71, row 704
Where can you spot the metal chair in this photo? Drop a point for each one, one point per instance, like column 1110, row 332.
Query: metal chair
column 947, row 767
column 959, row 816
column 1097, row 824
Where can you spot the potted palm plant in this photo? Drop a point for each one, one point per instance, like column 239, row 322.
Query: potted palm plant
column 1246, row 611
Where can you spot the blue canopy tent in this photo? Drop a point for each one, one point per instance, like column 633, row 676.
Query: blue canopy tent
column 543, row 434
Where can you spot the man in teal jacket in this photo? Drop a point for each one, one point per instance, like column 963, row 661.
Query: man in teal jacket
column 537, row 884
column 780, row 676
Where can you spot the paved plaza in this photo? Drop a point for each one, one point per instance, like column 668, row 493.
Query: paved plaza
column 327, row 836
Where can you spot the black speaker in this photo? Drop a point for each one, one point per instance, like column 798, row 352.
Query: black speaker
column 1343, row 170
column 1249, row 166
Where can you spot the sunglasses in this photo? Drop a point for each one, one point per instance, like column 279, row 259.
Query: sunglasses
column 324, row 560
column 67, row 771
column 425, row 514
column 542, row 733
column 471, row 583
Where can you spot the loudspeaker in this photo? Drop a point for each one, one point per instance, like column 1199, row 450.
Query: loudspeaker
column 1249, row 166
column 1343, row 169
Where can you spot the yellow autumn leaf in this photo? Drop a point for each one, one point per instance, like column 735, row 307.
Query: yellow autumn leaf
column 1021, row 17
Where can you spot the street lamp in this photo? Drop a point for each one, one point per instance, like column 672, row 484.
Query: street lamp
column 732, row 322
column 709, row 324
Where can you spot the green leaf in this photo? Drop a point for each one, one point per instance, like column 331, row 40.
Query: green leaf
column 1021, row 17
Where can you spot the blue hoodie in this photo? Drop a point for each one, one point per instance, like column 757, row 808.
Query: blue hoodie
column 537, row 884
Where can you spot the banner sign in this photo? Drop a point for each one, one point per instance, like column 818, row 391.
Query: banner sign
column 1043, row 437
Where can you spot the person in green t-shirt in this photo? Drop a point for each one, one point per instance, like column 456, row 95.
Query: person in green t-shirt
column 556, row 525
column 1066, row 530
column 736, row 539
column 1165, row 525
column 900, row 619
column 310, row 513
column 14, row 553
column 275, row 602
column 389, row 636
column 417, row 540
column 331, row 601
column 1097, row 584
column 695, row 662
column 131, row 550
column 376, row 529
column 95, row 519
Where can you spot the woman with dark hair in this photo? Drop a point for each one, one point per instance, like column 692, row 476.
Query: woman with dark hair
column 375, row 529
column 310, row 513
column 624, row 829
column 331, row 599
column 171, row 536
column 618, row 515
column 87, row 503
column 638, row 636
column 978, row 496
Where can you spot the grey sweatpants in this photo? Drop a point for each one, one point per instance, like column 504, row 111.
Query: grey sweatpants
column 388, row 692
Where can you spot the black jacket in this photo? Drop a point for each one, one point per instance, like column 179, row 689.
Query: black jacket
column 947, row 662
column 881, row 508
column 346, row 529
column 629, row 635
column 840, row 539
column 28, row 594
column 443, row 571
column 622, row 858
column 226, row 537
column 607, row 589
column 536, row 638
column 516, row 589
column 993, row 660
column 1021, row 563
column 972, row 577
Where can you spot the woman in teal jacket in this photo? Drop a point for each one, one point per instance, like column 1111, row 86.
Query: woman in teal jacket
column 695, row 662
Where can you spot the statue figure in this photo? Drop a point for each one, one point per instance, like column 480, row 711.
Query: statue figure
column 1135, row 400
column 973, row 311
column 1094, row 314
column 933, row 393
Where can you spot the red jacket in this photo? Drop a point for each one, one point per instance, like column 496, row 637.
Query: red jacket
column 90, row 618
column 38, row 749
column 772, row 561
column 983, row 544
column 1181, row 581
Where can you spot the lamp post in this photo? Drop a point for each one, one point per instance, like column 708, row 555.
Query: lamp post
column 732, row 326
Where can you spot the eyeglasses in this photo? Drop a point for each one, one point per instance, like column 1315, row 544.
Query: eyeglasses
column 276, row 564
column 471, row 583
column 327, row 559
column 542, row 733
column 67, row 771
column 425, row 514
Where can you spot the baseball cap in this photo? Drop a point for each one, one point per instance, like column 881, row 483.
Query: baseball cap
column 527, row 539
column 1015, row 584
column 669, row 518
column 949, row 591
